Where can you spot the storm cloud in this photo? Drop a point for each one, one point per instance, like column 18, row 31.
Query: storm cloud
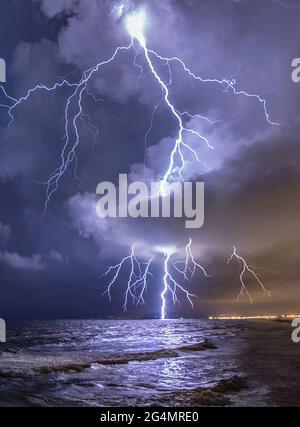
column 251, row 175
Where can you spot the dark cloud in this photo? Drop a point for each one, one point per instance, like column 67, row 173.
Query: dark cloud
column 251, row 176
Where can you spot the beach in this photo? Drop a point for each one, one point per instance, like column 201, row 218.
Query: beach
column 110, row 363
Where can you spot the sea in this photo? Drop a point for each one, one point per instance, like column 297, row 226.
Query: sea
column 117, row 363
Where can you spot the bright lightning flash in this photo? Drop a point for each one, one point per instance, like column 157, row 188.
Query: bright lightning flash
column 75, row 109
column 140, row 271
column 135, row 25
column 79, row 90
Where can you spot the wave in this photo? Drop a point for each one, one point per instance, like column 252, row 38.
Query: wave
column 54, row 364
column 122, row 360
column 219, row 395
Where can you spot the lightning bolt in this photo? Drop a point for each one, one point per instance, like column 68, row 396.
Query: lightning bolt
column 74, row 108
column 78, row 89
column 135, row 24
column 171, row 285
column 68, row 153
column 244, row 270
column 187, row 272
column 137, row 281
column 139, row 272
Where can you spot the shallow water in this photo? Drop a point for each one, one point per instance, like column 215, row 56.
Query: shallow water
column 129, row 363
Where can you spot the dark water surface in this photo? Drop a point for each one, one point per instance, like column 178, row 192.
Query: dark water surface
column 130, row 363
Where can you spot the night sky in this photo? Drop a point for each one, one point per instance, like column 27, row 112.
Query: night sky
column 50, row 264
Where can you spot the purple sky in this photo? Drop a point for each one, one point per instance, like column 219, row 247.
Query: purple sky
column 50, row 264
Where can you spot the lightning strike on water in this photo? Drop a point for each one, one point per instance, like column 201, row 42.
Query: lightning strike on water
column 74, row 110
column 139, row 272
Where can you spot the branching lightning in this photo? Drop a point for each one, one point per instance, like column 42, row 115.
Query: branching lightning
column 74, row 108
column 245, row 268
column 137, row 281
column 176, row 273
column 187, row 272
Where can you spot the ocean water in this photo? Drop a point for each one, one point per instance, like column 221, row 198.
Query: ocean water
column 146, row 362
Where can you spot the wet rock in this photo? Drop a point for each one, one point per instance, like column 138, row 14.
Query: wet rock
column 208, row 398
column 201, row 346
column 62, row 368
column 233, row 384
column 13, row 374
column 196, row 397
column 139, row 357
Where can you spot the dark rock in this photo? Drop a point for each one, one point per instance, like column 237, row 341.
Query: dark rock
column 234, row 384
column 201, row 346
